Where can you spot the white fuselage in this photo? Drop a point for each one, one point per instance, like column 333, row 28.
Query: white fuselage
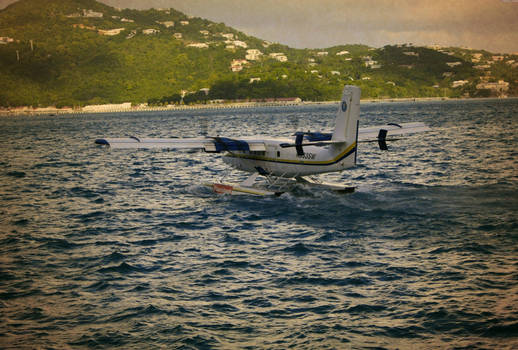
column 285, row 162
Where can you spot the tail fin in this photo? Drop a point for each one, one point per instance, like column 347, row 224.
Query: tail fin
column 346, row 123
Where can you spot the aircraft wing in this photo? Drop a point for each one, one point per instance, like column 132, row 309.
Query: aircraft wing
column 208, row 144
column 392, row 129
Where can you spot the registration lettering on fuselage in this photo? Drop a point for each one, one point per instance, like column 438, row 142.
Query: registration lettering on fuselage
column 307, row 156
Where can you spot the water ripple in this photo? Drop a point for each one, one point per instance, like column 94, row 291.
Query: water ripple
column 127, row 249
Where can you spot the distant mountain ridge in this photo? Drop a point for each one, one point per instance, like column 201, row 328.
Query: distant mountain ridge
column 80, row 52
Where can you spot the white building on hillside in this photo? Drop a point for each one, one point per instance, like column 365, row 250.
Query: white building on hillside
column 435, row 47
column 253, row 54
column 279, row 56
column 167, row 24
column 6, row 40
column 110, row 32
column 237, row 65
column 501, row 87
column 150, row 31
column 92, row 14
column 453, row 64
column 199, row 45
column 369, row 62
column 238, row 43
column 476, row 57
column 229, row 36
column 459, row 83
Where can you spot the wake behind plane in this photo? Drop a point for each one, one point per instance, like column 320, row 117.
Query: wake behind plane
column 277, row 165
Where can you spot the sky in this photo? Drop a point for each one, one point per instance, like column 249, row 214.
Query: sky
column 479, row 24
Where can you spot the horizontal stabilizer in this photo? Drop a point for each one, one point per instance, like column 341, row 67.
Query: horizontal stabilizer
column 373, row 133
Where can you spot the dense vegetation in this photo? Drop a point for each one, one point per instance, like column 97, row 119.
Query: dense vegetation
column 59, row 57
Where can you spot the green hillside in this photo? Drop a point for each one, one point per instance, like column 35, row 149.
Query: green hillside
column 62, row 53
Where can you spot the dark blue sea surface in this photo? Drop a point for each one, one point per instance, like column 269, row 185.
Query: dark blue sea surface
column 127, row 249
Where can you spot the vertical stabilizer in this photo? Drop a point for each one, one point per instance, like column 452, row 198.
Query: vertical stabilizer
column 346, row 124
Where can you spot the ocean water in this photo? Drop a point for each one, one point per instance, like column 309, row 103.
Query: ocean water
column 126, row 249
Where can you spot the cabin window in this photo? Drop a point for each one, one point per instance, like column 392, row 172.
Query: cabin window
column 278, row 154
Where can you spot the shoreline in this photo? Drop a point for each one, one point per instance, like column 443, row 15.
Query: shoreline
column 50, row 111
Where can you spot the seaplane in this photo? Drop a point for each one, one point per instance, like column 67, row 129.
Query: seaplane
column 278, row 165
